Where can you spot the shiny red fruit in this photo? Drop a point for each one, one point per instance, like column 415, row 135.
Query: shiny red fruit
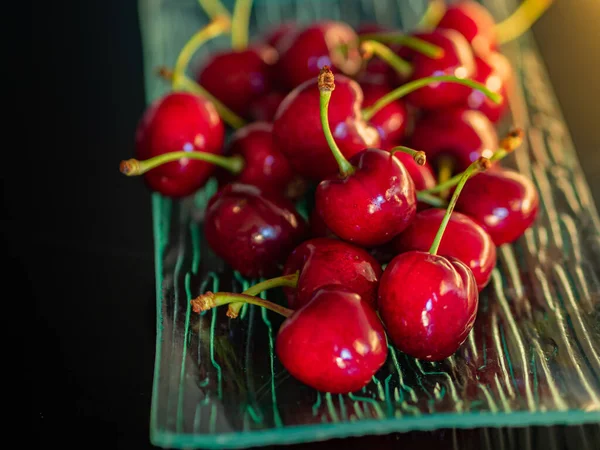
column 252, row 231
column 428, row 304
column 495, row 72
column 323, row 261
column 179, row 121
column 335, row 343
column 263, row 109
column 390, row 121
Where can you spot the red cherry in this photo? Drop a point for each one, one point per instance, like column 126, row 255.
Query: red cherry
column 252, row 231
column 317, row 46
column 428, row 304
column 495, row 72
column 335, row 343
column 277, row 35
column 391, row 120
column 463, row 239
column 462, row 134
column 457, row 60
column 263, row 109
column 238, row 78
column 376, row 70
column 372, row 205
column 179, row 121
column 298, row 131
column 505, row 203
column 323, row 261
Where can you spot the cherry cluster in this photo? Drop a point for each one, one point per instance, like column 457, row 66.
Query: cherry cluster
column 390, row 137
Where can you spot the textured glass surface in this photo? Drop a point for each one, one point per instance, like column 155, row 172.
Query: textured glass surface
column 533, row 357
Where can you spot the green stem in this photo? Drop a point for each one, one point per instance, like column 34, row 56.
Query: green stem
column 132, row 167
column 417, row 44
column 285, row 280
column 211, row 300
column 433, row 14
column 431, row 199
column 326, row 86
column 445, row 169
column 240, row 24
column 521, row 19
column 374, row 48
column 418, row 155
column 411, row 86
column 478, row 166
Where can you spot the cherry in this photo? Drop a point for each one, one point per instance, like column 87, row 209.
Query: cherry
column 427, row 302
column 461, row 134
column 375, row 70
column 373, row 198
column 276, row 36
column 464, row 240
column 493, row 70
column 323, row 261
column 298, row 133
column 263, row 109
column 504, row 202
column 421, row 174
column 251, row 230
column 390, row 121
column 316, row 46
column 238, row 78
column 179, row 122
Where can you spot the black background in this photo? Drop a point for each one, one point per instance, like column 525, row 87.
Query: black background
column 78, row 233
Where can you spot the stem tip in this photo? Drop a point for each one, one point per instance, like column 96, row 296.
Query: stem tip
column 326, row 80
column 483, row 164
column 512, row 140
column 204, row 302
column 420, row 158
column 130, row 167
column 165, row 73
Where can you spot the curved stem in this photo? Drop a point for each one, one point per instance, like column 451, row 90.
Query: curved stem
column 433, row 14
column 286, row 280
column 478, row 166
column 411, row 86
column 214, row 8
column 374, row 48
column 240, row 24
column 218, row 26
column 418, row 155
column 326, row 86
column 415, row 43
column 211, row 300
column 521, row 19
column 431, row 199
column 132, row 167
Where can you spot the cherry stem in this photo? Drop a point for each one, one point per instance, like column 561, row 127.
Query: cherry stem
column 240, row 24
column 445, row 169
column 477, row 166
column 132, row 167
column 415, row 43
column 419, row 156
column 509, row 144
column 189, row 85
column 431, row 199
column 411, row 86
column 285, row 280
column 521, row 19
column 373, row 48
column 326, row 83
column 433, row 14
column 217, row 27
column 214, row 8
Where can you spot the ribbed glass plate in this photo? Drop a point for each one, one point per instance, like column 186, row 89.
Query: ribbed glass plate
column 533, row 357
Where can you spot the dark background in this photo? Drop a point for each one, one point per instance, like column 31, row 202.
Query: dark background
column 78, row 233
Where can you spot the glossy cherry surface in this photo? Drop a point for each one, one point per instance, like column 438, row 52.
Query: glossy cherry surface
column 323, row 261
column 458, row 60
column 252, row 231
column 238, row 78
column 428, row 304
column 495, row 72
column 390, row 121
column 263, row 109
column 474, row 22
column 299, row 134
column 504, row 202
column 335, row 343
column 372, row 205
column 462, row 134
column 175, row 122
column 264, row 165
column 316, row 46
column 463, row 239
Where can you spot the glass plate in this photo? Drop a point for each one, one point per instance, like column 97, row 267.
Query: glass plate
column 533, row 357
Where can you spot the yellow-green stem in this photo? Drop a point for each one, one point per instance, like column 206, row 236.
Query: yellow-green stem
column 521, row 19
column 433, row 15
column 415, row 43
column 240, row 24
column 411, row 86
column 132, row 167
column 445, row 169
column 374, row 48
column 419, row 156
column 431, row 199
column 211, row 300
column 214, row 8
column 478, row 166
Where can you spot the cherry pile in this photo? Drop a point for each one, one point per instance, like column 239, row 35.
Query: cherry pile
column 390, row 136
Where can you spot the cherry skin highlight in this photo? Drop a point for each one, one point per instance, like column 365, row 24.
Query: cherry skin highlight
column 299, row 134
column 252, row 231
column 462, row 134
column 390, row 121
column 373, row 204
column 323, row 261
column 463, row 239
column 175, row 122
column 504, row 202
column 495, row 72
column 428, row 304
column 335, row 343
column 238, row 78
